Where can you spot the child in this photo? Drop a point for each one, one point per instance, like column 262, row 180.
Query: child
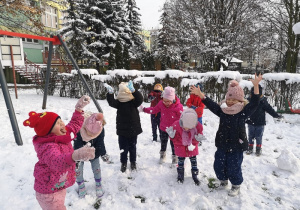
column 231, row 139
column 155, row 97
column 195, row 102
column 55, row 169
column 257, row 121
column 170, row 109
column 91, row 132
column 185, row 134
column 128, row 120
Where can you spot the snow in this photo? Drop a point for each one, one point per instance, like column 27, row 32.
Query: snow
column 296, row 28
column 271, row 181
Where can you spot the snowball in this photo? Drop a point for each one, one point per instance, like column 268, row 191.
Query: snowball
column 224, row 105
column 288, row 161
column 191, row 147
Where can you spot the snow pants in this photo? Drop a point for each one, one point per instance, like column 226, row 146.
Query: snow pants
column 128, row 145
column 255, row 132
column 228, row 165
column 155, row 122
column 95, row 163
column 164, row 142
column 53, row 201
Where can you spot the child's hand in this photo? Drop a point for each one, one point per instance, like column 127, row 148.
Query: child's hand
column 199, row 137
column 82, row 102
column 256, row 79
column 109, row 88
column 170, row 131
column 196, row 91
column 84, row 153
column 130, row 86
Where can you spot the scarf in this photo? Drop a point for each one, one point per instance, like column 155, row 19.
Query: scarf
column 234, row 109
column 186, row 139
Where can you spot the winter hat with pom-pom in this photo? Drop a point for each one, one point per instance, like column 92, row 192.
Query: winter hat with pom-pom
column 124, row 94
column 92, row 126
column 41, row 122
column 188, row 119
column 235, row 91
column 169, row 93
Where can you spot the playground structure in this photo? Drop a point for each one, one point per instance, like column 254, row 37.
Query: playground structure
column 53, row 40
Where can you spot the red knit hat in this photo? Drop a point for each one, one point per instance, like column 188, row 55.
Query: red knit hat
column 41, row 122
column 235, row 91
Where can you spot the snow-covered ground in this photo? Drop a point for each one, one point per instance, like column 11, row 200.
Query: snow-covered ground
column 265, row 186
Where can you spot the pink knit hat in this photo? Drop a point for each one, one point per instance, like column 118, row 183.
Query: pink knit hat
column 188, row 118
column 92, row 127
column 169, row 93
column 235, row 91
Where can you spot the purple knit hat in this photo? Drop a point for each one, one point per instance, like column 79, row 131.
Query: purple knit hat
column 235, row 91
column 169, row 93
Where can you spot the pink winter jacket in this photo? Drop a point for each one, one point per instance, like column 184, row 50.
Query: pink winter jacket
column 180, row 149
column 168, row 114
column 55, row 169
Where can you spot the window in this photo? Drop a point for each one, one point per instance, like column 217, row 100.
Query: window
column 49, row 19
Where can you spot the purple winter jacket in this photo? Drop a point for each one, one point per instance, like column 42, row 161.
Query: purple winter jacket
column 168, row 114
column 55, row 169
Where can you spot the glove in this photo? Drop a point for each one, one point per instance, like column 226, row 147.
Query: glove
column 280, row 119
column 170, row 131
column 84, row 153
column 141, row 108
column 151, row 98
column 109, row 88
column 193, row 107
column 130, row 86
column 199, row 137
column 82, row 102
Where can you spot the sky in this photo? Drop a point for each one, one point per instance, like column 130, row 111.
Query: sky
column 150, row 11
column 271, row 181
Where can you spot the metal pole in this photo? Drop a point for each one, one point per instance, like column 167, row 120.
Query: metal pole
column 80, row 74
column 10, row 108
column 13, row 68
column 47, row 78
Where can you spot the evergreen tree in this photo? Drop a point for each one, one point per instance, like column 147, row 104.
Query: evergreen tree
column 111, row 61
column 118, row 52
column 126, row 58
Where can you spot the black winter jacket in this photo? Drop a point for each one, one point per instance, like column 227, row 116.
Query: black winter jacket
column 96, row 142
column 128, row 117
column 231, row 135
column 259, row 116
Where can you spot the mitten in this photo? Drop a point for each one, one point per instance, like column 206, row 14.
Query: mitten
column 193, row 107
column 280, row 119
column 199, row 137
column 82, row 102
column 84, row 153
column 109, row 88
column 151, row 98
column 141, row 108
column 170, row 131
column 130, row 86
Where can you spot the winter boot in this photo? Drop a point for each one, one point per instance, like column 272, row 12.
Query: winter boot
column 99, row 189
column 235, row 190
column 174, row 159
column 81, row 189
column 195, row 172
column 180, row 177
column 106, row 158
column 250, row 149
column 223, row 184
column 258, row 151
column 162, row 158
column 123, row 167
column 133, row 166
